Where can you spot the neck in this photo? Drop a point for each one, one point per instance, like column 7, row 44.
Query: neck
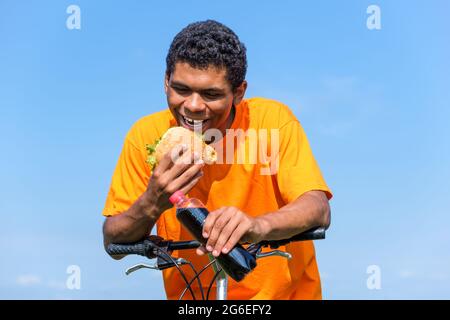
column 230, row 118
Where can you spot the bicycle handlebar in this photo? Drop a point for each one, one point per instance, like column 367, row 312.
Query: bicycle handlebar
column 149, row 248
column 312, row 234
column 123, row 249
column 157, row 247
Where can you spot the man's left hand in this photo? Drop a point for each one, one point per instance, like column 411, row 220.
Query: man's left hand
column 225, row 227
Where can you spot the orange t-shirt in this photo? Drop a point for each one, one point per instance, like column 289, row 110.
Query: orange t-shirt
column 240, row 185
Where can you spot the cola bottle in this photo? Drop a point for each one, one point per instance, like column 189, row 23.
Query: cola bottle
column 192, row 213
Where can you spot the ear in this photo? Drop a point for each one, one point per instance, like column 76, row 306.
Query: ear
column 166, row 83
column 239, row 93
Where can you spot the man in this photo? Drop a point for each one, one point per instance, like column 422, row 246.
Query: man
column 205, row 81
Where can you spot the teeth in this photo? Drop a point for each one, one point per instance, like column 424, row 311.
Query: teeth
column 193, row 122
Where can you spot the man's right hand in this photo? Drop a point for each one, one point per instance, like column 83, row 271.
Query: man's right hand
column 180, row 172
column 179, row 169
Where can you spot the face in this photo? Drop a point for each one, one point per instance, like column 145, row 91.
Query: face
column 201, row 98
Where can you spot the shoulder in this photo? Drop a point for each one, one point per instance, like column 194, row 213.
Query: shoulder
column 269, row 112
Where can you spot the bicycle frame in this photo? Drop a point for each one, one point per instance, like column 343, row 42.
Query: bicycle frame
column 221, row 282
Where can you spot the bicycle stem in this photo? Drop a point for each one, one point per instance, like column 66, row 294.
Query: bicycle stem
column 221, row 280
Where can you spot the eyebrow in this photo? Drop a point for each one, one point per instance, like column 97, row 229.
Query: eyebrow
column 180, row 84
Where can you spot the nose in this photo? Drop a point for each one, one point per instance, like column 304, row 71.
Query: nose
column 194, row 104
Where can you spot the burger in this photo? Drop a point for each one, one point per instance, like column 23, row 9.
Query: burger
column 176, row 136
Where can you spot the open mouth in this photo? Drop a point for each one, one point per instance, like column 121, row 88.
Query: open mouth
column 193, row 124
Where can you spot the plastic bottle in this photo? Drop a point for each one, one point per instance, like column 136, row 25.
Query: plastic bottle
column 192, row 213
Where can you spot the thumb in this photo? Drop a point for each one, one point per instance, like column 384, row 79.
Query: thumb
column 201, row 250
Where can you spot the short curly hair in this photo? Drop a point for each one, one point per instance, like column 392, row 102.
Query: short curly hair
column 205, row 43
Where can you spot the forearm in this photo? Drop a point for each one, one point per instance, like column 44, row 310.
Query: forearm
column 131, row 225
column 308, row 211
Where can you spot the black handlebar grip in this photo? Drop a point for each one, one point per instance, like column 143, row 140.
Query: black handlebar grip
column 124, row 249
column 313, row 234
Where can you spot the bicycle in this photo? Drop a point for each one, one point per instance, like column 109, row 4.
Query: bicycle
column 159, row 248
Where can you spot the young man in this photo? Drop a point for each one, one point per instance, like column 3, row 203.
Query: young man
column 205, row 82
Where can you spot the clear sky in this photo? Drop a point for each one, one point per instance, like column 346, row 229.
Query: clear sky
column 374, row 103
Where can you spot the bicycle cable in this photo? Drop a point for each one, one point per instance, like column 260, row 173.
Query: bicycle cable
column 188, row 286
column 198, row 277
column 219, row 270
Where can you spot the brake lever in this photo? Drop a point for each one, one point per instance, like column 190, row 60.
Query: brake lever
column 273, row 253
column 256, row 248
column 161, row 264
column 140, row 266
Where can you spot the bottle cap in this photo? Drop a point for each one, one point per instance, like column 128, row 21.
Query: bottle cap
column 176, row 197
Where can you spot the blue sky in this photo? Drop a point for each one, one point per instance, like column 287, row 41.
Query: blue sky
column 374, row 103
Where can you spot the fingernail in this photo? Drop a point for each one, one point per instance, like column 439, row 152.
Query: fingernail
column 205, row 235
column 196, row 156
column 215, row 253
column 225, row 250
column 209, row 248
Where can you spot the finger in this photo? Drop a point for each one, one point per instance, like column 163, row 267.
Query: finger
column 191, row 184
column 176, row 154
column 235, row 237
column 188, row 157
column 201, row 250
column 210, row 220
column 185, row 162
column 167, row 160
column 168, row 179
column 217, row 229
column 226, row 233
column 187, row 180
